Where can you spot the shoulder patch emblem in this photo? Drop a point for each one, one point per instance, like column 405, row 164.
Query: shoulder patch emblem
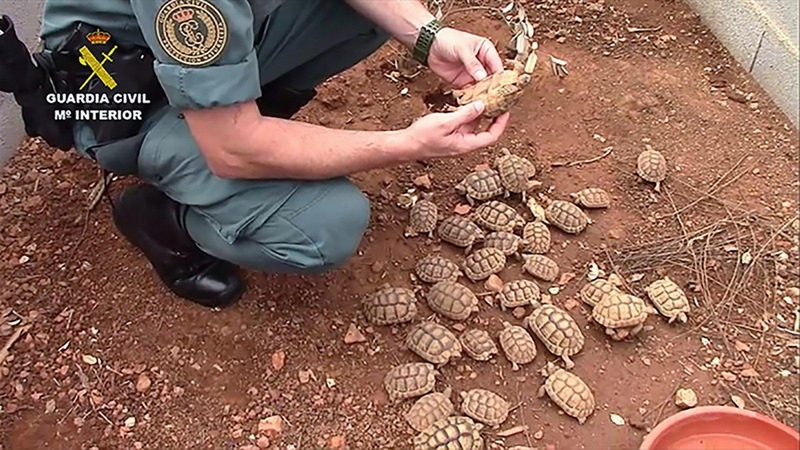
column 192, row 32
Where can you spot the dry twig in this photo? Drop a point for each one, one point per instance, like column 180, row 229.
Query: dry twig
column 607, row 152
column 11, row 340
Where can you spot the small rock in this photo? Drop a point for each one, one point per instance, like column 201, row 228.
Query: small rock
column 685, row 398
column 553, row 290
column 538, row 435
column 130, row 422
column 493, row 283
column 248, row 447
column 570, row 304
column 729, row 377
column 304, row 376
column 278, row 360
column 353, row 335
column 143, row 383
column 749, row 372
column 50, row 406
column 336, row 443
column 271, row 426
column 138, row 445
column 741, row 346
column 462, row 209
column 460, row 327
column 518, row 312
column 262, row 442
column 617, row 419
column 89, row 359
column 59, row 155
column 616, row 233
column 638, row 423
column 736, row 95
column 738, row 401
column 423, row 181
column 377, row 267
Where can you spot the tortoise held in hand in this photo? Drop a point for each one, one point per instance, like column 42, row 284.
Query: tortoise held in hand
column 499, row 91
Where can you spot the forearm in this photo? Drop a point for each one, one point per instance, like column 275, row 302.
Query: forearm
column 400, row 18
column 269, row 148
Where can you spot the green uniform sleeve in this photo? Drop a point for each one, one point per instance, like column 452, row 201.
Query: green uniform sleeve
column 204, row 50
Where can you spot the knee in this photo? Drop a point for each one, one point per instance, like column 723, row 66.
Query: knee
column 344, row 217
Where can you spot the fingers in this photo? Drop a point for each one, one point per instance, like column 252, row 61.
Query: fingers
column 472, row 65
column 465, row 114
column 487, row 53
column 471, row 142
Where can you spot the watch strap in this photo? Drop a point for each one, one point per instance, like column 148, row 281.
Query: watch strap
column 425, row 40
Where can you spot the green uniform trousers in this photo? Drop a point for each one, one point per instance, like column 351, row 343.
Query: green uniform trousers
column 277, row 226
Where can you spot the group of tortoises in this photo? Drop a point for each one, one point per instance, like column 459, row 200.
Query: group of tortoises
column 622, row 314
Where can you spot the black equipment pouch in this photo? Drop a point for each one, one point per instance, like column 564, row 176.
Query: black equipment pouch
column 113, row 85
column 28, row 79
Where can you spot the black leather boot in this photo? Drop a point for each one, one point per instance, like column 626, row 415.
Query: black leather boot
column 282, row 102
column 154, row 223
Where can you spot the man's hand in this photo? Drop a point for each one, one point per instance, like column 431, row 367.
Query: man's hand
column 461, row 58
column 441, row 135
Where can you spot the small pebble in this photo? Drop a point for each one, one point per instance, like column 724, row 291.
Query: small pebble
column 518, row 312
column 143, row 383
column 538, row 435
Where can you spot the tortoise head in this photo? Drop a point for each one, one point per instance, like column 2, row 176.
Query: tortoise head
column 461, row 188
column 549, row 369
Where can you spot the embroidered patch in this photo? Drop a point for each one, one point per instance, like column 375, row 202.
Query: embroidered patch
column 192, row 32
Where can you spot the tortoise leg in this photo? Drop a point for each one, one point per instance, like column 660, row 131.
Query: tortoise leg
column 514, row 366
column 470, row 200
column 658, row 186
column 568, row 363
column 541, row 392
column 430, row 234
column 671, row 319
column 581, row 420
column 621, row 334
column 467, row 249
column 524, row 196
column 610, row 331
column 683, row 317
column 637, row 329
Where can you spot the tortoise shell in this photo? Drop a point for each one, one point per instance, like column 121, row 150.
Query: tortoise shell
column 515, row 172
column 652, row 166
column 409, row 380
column 670, row 300
column 485, row 406
column 558, row 331
column 481, row 185
column 595, row 291
column 506, row 242
column 433, row 343
column 592, row 198
column 390, row 305
column 498, row 216
column 569, row 392
column 537, row 236
column 483, row 263
column 499, row 91
column 452, row 300
column 429, row 409
column 517, row 345
column 422, row 218
column 450, row 433
column 621, row 310
column 541, row 267
column 519, row 293
column 460, row 231
column 478, row 345
column 436, row 268
column 566, row 216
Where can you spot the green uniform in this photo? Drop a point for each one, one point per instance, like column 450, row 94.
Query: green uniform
column 221, row 52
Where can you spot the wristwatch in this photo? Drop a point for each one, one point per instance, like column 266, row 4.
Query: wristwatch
column 425, row 40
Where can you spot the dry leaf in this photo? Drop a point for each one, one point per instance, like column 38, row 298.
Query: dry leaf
column 738, row 401
column 617, row 419
column 566, row 277
column 729, row 377
column 493, row 284
column 507, row 9
column 749, row 372
column 423, row 181
column 462, row 209
column 636, row 277
column 554, row 290
column 570, row 304
column 594, row 271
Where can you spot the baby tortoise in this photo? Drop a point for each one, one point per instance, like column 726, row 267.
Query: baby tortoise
column 541, row 267
column 452, row 300
column 517, row 344
column 409, row 380
column 460, row 232
column 516, row 173
column 390, row 305
column 429, row 409
column 652, row 167
column 481, row 185
column 433, row 343
column 484, row 262
column 498, row 216
column 519, row 293
column 566, row 216
column 451, row 433
column 499, row 91
column 558, row 331
column 506, row 242
column 591, row 198
column 568, row 391
column 595, row 291
column 670, row 300
column 537, row 236
column 623, row 315
column 423, row 217
column 478, row 345
column 485, row 406
column 436, row 268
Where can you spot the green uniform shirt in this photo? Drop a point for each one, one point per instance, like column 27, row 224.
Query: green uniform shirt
column 205, row 50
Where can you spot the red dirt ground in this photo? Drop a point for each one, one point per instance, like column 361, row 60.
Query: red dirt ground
column 86, row 292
